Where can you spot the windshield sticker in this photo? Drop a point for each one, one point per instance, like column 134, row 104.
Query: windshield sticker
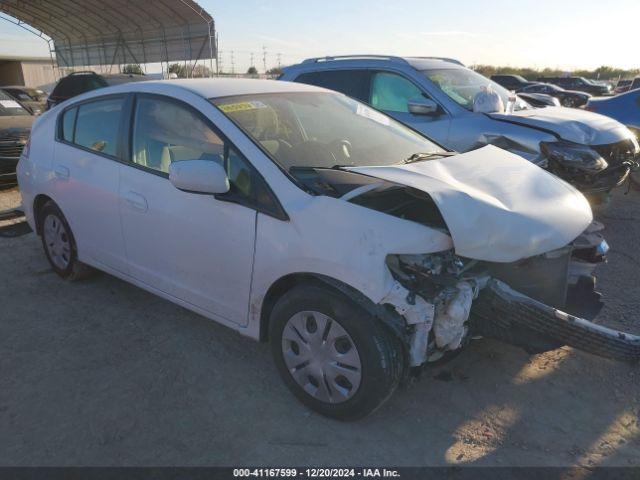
column 371, row 114
column 239, row 107
column 9, row 104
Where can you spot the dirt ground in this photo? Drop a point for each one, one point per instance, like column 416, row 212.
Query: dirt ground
column 103, row 373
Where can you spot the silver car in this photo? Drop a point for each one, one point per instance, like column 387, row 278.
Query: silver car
column 435, row 96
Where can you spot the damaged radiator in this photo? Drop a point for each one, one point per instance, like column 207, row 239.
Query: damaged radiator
column 500, row 311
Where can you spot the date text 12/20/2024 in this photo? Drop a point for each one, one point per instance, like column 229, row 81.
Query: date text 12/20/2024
column 315, row 473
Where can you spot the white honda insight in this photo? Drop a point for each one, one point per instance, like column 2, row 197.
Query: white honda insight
column 358, row 248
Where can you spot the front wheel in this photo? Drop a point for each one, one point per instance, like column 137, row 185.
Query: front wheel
column 334, row 356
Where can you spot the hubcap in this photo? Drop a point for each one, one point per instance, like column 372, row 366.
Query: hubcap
column 57, row 241
column 321, row 357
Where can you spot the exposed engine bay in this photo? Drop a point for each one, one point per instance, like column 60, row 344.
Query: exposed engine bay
column 461, row 294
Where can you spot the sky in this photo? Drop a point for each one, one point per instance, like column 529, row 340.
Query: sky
column 566, row 34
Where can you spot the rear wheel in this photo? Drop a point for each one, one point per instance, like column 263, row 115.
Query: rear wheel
column 59, row 244
column 336, row 358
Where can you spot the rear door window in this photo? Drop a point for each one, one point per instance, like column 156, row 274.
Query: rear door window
column 97, row 125
column 354, row 83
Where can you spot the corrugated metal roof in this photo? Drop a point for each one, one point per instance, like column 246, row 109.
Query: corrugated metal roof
column 105, row 32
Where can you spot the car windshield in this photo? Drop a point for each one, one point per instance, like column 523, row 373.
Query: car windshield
column 19, row 94
column 9, row 107
column 462, row 85
column 323, row 130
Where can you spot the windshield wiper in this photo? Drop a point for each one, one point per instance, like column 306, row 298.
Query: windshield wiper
column 420, row 156
column 319, row 167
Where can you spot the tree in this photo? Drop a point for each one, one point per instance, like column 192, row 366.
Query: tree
column 274, row 71
column 178, row 69
column 603, row 73
column 199, row 71
column 132, row 68
column 191, row 71
column 252, row 71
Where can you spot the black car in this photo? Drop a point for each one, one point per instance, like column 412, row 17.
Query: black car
column 15, row 126
column 511, row 82
column 622, row 86
column 81, row 82
column 567, row 98
column 580, row 84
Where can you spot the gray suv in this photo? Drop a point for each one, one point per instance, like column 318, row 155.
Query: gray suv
column 435, row 96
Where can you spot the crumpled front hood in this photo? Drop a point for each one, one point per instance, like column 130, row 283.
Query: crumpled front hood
column 570, row 124
column 497, row 206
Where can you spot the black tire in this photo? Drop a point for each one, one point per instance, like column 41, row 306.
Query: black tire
column 379, row 350
column 75, row 269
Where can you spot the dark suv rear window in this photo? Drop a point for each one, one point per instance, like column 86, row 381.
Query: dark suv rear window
column 354, row 83
column 75, row 85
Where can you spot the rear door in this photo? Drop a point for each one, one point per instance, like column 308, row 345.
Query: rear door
column 86, row 176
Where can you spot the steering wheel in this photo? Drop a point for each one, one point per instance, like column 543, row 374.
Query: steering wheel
column 316, row 153
column 341, row 150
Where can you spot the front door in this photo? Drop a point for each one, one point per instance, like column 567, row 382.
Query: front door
column 191, row 246
column 391, row 93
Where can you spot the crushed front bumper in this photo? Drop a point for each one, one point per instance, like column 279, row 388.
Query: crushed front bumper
column 508, row 315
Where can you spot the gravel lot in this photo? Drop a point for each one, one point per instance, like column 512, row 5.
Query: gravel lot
column 103, row 373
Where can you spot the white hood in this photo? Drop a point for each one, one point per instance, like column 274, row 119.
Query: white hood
column 571, row 124
column 498, row 207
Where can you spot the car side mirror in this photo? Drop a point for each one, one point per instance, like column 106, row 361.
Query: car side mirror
column 422, row 106
column 199, row 176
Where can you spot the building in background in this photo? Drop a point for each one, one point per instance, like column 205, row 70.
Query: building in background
column 27, row 71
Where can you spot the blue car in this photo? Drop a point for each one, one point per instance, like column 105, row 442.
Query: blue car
column 624, row 108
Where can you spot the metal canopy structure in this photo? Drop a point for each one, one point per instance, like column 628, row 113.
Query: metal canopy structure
column 111, row 32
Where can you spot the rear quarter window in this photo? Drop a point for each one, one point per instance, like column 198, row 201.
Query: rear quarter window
column 68, row 124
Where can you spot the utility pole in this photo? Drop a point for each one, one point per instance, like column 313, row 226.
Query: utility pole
column 252, row 64
column 217, row 55
column 220, row 62
column 264, row 58
column 233, row 63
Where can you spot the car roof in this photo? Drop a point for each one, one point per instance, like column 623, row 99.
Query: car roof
column 209, row 87
column 424, row 63
column 419, row 63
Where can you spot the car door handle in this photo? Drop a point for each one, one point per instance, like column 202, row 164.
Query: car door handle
column 136, row 201
column 62, row 172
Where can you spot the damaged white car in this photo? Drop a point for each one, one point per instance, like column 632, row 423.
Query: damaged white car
column 296, row 215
